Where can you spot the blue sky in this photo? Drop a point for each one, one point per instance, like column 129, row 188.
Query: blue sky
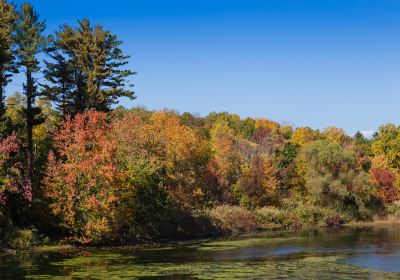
column 306, row 62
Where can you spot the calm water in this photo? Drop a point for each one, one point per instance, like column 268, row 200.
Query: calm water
column 347, row 253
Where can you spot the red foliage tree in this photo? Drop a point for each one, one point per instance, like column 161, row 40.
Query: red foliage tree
column 82, row 179
column 384, row 179
column 11, row 177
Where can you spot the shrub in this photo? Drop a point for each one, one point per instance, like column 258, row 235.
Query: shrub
column 182, row 223
column 23, row 239
column 335, row 220
column 198, row 224
column 393, row 210
column 309, row 215
column 272, row 217
column 314, row 215
column 233, row 219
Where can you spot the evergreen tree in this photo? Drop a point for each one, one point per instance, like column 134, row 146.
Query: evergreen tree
column 359, row 138
column 8, row 18
column 29, row 42
column 86, row 69
column 60, row 74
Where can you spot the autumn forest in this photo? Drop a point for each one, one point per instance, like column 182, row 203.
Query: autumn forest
column 77, row 168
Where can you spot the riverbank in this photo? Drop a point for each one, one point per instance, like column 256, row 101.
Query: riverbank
column 143, row 244
column 384, row 221
column 219, row 221
column 147, row 244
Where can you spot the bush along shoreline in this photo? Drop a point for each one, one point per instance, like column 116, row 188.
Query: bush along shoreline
column 221, row 220
column 76, row 168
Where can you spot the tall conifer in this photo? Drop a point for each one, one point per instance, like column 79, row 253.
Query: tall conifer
column 30, row 41
column 86, row 70
column 8, row 18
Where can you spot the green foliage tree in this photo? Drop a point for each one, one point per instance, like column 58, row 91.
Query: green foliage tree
column 30, row 41
column 286, row 168
column 60, row 76
column 332, row 178
column 359, row 138
column 86, row 69
column 8, row 18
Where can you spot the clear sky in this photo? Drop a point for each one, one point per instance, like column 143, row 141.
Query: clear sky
column 306, row 62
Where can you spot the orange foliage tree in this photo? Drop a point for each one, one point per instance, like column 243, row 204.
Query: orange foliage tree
column 184, row 157
column 162, row 160
column 225, row 165
column 258, row 182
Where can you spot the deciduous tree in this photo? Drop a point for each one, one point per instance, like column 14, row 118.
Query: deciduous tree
column 82, row 177
column 258, row 182
column 225, row 164
column 331, row 176
column 387, row 143
column 11, row 178
column 304, row 135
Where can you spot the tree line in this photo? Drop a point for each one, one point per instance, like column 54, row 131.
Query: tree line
column 73, row 168
column 83, row 67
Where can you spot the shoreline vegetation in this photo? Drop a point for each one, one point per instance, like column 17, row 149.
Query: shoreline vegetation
column 77, row 169
column 274, row 223
column 139, row 244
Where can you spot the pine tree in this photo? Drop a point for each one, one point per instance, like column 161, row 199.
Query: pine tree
column 59, row 72
column 29, row 42
column 86, row 69
column 8, row 18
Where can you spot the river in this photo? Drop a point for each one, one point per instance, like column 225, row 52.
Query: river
column 367, row 252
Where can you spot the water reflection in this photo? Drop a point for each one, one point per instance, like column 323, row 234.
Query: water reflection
column 347, row 253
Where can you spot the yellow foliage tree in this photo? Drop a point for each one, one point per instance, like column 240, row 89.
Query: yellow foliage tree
column 335, row 135
column 304, row 135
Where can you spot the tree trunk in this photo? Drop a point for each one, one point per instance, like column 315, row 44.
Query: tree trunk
column 2, row 107
column 2, row 83
column 29, row 125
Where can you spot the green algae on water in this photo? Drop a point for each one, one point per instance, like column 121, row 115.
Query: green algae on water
column 347, row 253
column 241, row 243
column 313, row 267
